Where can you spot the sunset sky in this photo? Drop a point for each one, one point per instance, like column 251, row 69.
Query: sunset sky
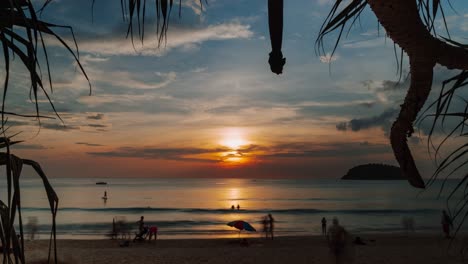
column 206, row 103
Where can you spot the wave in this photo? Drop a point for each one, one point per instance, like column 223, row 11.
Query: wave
column 295, row 211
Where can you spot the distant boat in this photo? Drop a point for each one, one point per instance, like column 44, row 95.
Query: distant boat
column 101, row 183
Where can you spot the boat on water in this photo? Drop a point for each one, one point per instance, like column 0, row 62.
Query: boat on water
column 101, row 183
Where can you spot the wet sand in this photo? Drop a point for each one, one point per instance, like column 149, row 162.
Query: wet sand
column 385, row 249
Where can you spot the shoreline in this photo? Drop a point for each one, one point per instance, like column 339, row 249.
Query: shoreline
column 389, row 248
column 234, row 234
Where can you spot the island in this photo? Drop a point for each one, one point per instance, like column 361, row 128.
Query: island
column 374, row 172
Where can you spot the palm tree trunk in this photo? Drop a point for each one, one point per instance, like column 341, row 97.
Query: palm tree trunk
column 421, row 69
column 403, row 24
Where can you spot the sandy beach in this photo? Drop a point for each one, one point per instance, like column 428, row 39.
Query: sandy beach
column 385, row 249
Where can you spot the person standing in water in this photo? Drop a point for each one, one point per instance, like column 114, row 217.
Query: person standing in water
column 271, row 221
column 265, row 226
column 324, row 226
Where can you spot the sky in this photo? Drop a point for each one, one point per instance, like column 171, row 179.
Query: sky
column 205, row 104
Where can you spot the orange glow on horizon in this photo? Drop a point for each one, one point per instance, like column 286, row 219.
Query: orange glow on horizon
column 234, row 139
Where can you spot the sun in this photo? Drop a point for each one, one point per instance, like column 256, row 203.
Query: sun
column 233, row 139
column 234, row 143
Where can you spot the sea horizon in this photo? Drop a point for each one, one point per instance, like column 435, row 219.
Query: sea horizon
column 201, row 208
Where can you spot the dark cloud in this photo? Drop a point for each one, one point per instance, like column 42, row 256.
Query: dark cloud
column 367, row 104
column 387, row 85
column 28, row 146
column 89, row 144
column 393, row 86
column 159, row 153
column 59, row 127
column 333, row 150
column 18, row 123
column 383, row 120
column 96, row 117
column 280, row 150
column 342, row 126
column 97, row 125
column 226, row 109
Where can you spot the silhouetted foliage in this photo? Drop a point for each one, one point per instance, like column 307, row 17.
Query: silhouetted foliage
column 374, row 172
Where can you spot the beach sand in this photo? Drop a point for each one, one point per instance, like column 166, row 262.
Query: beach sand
column 387, row 249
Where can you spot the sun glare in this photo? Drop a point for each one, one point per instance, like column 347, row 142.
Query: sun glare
column 234, row 143
column 233, row 139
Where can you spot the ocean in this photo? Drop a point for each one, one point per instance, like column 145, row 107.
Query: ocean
column 200, row 208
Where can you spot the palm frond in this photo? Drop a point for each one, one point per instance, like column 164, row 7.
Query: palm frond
column 12, row 208
column 22, row 35
column 337, row 20
column 134, row 12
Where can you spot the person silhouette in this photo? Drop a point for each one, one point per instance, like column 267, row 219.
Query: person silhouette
column 238, row 207
column 265, row 226
column 324, row 226
column 271, row 222
column 336, row 240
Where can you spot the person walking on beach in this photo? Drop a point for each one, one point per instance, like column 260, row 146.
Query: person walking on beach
column 271, row 221
column 141, row 224
column 324, row 226
column 142, row 230
column 336, row 240
column 446, row 223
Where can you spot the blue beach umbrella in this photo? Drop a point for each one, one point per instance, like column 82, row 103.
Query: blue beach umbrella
column 241, row 225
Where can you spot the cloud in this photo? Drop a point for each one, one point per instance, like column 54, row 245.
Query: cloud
column 177, row 37
column 394, row 86
column 98, row 116
column 387, row 85
column 59, row 127
column 178, row 154
column 89, row 144
column 86, row 59
column 279, row 150
column 97, row 125
column 365, row 44
column 323, row 150
column 127, row 79
column 195, row 5
column 29, row 146
column 383, row 120
column 327, row 58
column 325, row 2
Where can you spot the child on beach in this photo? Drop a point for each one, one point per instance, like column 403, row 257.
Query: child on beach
column 153, row 231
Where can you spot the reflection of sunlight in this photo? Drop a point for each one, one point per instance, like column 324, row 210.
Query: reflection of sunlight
column 234, row 193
